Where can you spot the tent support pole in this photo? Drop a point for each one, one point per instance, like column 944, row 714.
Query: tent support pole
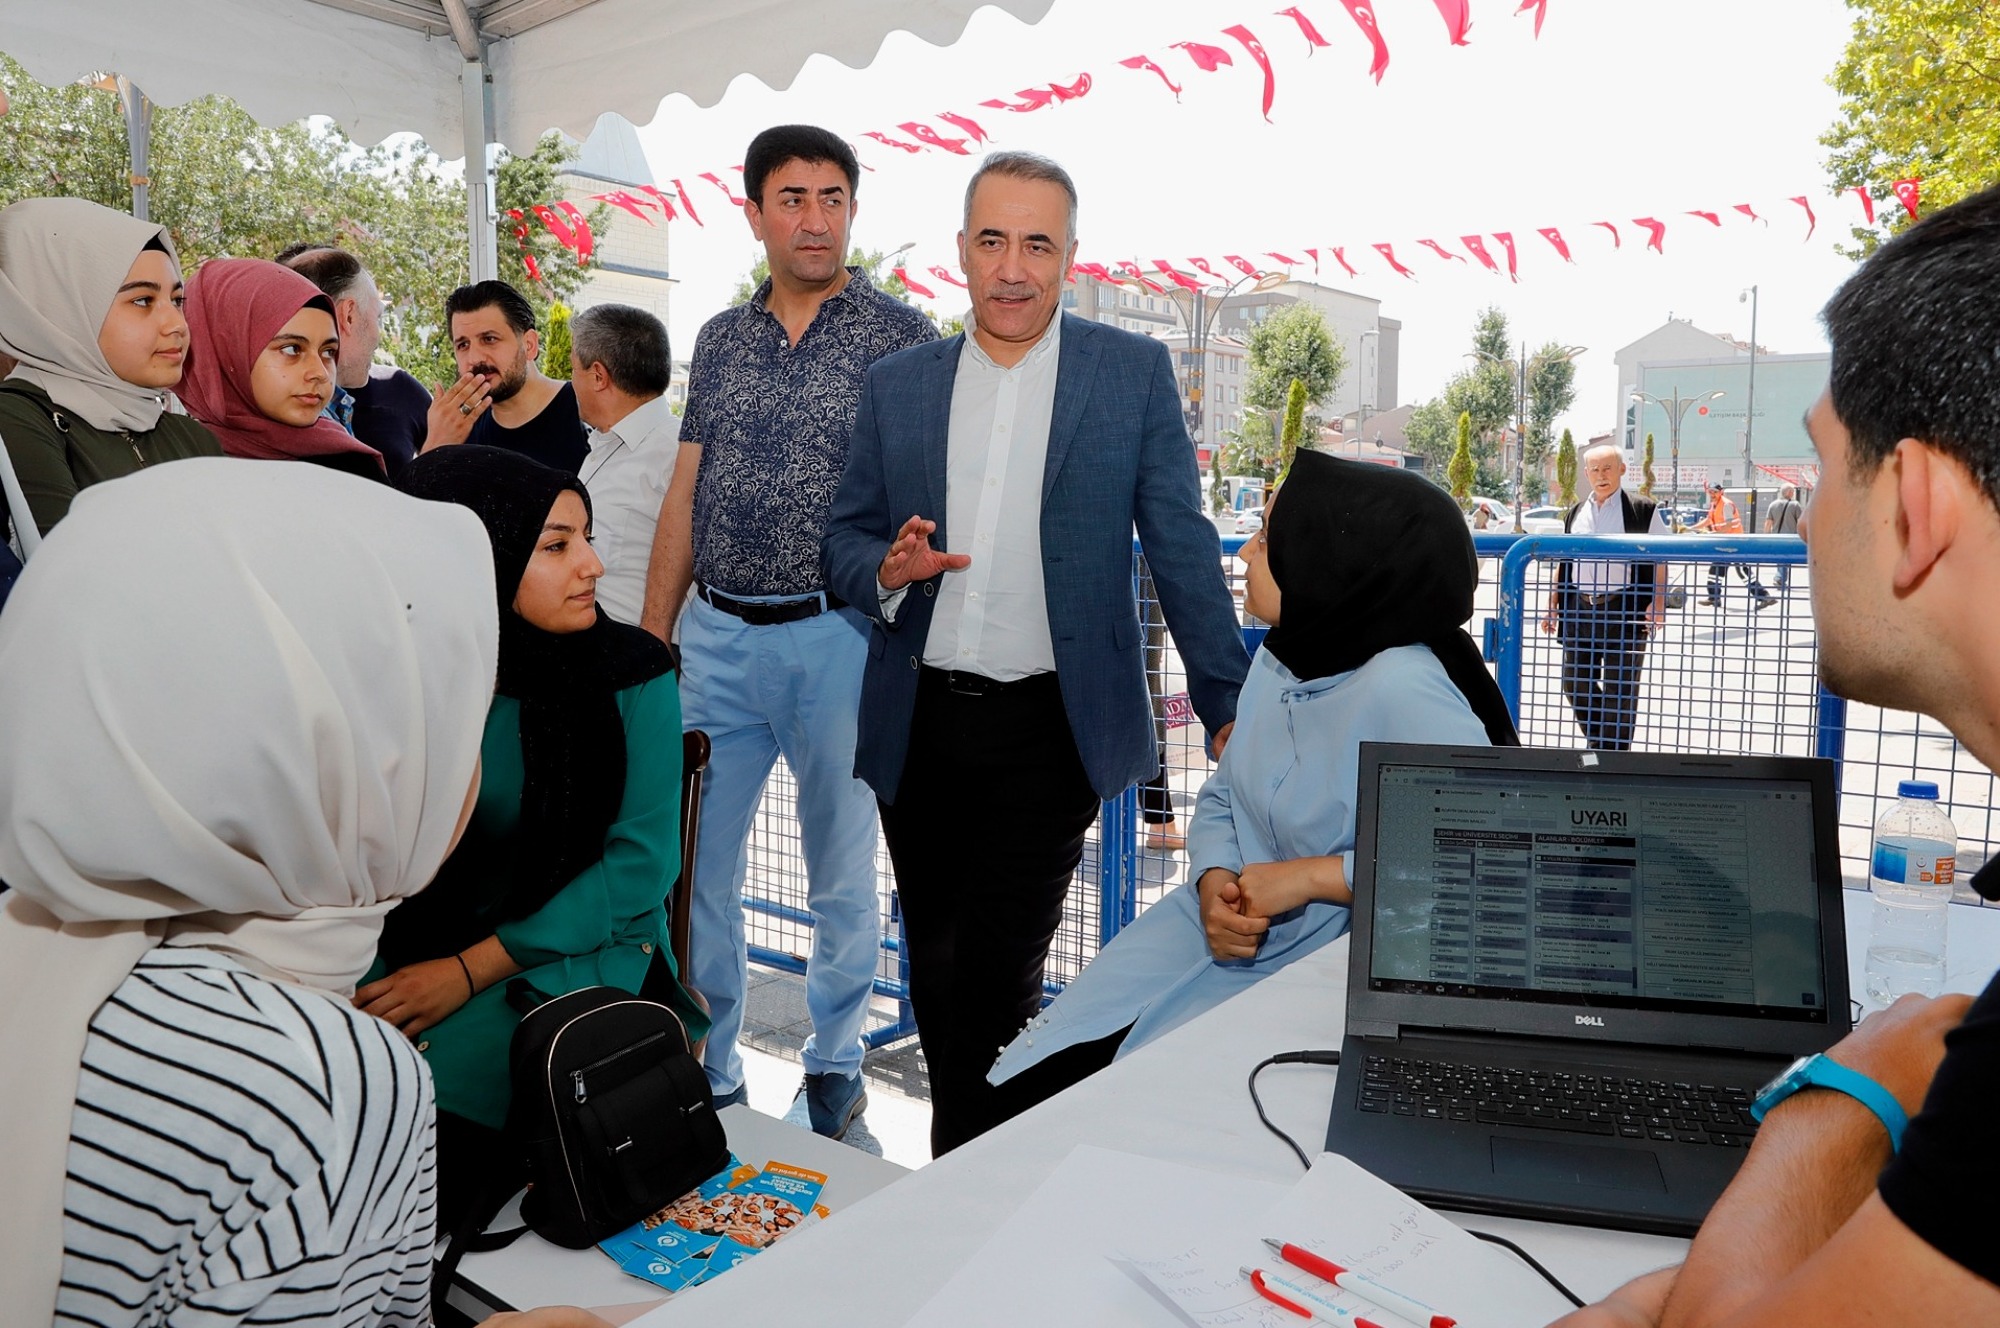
column 481, row 180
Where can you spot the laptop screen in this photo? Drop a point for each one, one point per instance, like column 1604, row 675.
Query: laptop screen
column 1665, row 892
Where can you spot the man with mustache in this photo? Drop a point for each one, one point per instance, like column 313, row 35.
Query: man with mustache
column 494, row 339
column 771, row 660
column 1007, row 675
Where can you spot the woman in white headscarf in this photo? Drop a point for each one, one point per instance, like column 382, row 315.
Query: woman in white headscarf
column 90, row 305
column 242, row 708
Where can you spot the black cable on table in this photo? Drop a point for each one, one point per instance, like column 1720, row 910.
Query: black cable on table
column 1333, row 1058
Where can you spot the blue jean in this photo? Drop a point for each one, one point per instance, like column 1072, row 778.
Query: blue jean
column 759, row 692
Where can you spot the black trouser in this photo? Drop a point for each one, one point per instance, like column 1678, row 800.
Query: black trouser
column 1156, row 801
column 981, row 902
column 1604, row 646
column 1747, row 571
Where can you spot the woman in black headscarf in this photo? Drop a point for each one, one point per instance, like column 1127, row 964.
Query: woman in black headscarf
column 1366, row 575
column 562, row 877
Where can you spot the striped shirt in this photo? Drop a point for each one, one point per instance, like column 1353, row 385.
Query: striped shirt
column 245, row 1152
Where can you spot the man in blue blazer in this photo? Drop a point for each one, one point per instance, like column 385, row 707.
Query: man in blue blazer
column 984, row 523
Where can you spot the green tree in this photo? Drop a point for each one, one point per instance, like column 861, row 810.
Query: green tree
column 1483, row 391
column 1295, row 424
column 1551, row 391
column 1253, row 448
column 1566, row 470
column 557, row 345
column 1293, row 344
column 867, row 259
column 1646, row 467
column 1462, row 470
column 224, row 185
column 1919, row 85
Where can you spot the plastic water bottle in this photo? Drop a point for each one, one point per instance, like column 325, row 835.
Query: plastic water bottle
column 1910, row 874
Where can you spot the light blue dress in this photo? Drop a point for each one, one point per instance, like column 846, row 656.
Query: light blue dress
column 1285, row 789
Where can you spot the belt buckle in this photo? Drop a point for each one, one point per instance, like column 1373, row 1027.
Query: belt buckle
column 966, row 684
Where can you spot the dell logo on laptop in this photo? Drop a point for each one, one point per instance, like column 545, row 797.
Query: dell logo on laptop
column 1594, row 1021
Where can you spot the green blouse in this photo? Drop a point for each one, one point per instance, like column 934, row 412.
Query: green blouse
column 56, row 453
column 601, row 929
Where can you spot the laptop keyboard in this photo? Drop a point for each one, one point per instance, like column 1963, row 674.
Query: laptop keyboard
column 1605, row 1105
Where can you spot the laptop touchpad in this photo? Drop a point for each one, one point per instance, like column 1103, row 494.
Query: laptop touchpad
column 1577, row 1164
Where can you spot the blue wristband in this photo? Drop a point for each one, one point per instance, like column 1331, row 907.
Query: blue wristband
column 1822, row 1071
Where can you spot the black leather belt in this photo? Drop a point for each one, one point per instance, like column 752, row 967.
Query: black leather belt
column 978, row 684
column 1599, row 601
column 770, row 615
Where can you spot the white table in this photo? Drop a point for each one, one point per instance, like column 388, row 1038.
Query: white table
column 532, row 1272
column 1181, row 1099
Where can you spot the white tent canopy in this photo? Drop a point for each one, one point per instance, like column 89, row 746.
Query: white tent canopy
column 462, row 71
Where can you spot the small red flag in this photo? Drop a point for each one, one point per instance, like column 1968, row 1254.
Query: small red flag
column 961, row 122
column 1138, row 275
column 1363, row 14
column 1906, row 194
column 1340, row 256
column 1812, row 222
column 1656, row 232
column 680, row 190
column 923, row 133
column 1071, row 91
column 586, row 243
column 1457, row 18
column 1141, row 62
column 1616, row 243
column 555, row 225
column 1306, row 28
column 1441, row 251
column 1708, row 217
column 1201, row 265
column 1554, row 237
column 1477, row 248
column 883, row 139
column 1098, row 270
column 1748, row 211
column 1506, row 239
column 1256, row 49
column 1240, row 265
column 1389, row 253
column 618, row 198
column 1288, row 262
column 912, row 286
column 727, row 192
column 944, row 274
column 1179, row 278
column 1206, row 58
column 1541, row 8
column 1867, row 203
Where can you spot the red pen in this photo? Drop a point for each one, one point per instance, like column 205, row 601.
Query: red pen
column 1316, row 1307
column 1257, row 1285
column 1365, row 1287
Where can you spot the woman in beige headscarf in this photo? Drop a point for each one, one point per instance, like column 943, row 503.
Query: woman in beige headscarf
column 90, row 306
column 242, row 708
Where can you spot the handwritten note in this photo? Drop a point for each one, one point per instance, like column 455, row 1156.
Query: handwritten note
column 1347, row 1215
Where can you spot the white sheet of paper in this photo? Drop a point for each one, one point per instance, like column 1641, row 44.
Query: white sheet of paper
column 1047, row 1263
column 1349, row 1216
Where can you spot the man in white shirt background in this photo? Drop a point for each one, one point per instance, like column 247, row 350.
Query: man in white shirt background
column 1605, row 610
column 620, row 363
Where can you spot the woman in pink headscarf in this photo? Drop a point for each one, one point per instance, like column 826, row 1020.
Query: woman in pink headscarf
column 261, row 366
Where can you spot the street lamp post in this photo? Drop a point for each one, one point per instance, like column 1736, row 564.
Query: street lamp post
column 1676, row 408
column 1366, row 389
column 1199, row 319
column 1750, row 409
column 888, row 260
column 1520, row 369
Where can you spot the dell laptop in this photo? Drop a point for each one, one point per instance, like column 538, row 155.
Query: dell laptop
column 1572, row 971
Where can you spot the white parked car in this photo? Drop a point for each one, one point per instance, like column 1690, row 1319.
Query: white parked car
column 1250, row 520
column 1543, row 520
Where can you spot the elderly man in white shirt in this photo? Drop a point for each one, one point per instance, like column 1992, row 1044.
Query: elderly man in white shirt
column 619, row 365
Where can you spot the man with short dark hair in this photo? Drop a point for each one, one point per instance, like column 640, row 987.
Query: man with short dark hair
column 377, row 403
column 620, row 363
column 1866, row 1196
column 1008, row 676
column 771, row 659
column 493, row 336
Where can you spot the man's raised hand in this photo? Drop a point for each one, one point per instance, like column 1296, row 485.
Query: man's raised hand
column 911, row 557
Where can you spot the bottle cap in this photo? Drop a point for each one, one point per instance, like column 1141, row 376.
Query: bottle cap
column 1917, row 788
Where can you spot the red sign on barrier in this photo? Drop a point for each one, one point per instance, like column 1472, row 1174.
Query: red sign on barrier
column 1179, row 710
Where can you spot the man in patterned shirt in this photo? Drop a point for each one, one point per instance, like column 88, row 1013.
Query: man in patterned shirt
column 771, row 663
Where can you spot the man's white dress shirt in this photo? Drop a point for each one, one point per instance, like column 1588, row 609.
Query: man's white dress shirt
column 626, row 473
column 1600, row 577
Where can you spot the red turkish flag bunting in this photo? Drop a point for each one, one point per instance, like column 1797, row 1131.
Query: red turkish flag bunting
column 1867, row 203
column 1554, row 237
column 1541, row 8
column 1340, row 257
column 1256, row 49
column 1657, row 232
column 1708, row 217
column 618, row 198
column 1314, row 255
column 1098, row 270
column 1138, row 275
column 1241, row 265
column 1748, row 211
column 680, row 190
column 912, row 286
column 1363, row 14
column 1288, row 262
column 961, row 122
column 944, row 274
column 1812, row 222
column 1206, row 58
column 1141, row 62
column 1389, row 253
column 1616, row 243
column 555, row 225
column 1071, row 91
column 1506, row 239
column 1906, row 194
column 1179, row 278
column 1201, row 265
column 1477, row 248
column 883, row 139
column 1306, row 28
column 1441, row 251
column 727, row 192
column 1457, row 18
column 586, row 243
column 923, row 133
column 528, row 261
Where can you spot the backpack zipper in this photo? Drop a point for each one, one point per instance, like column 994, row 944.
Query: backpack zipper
column 577, row 1075
column 548, row 1067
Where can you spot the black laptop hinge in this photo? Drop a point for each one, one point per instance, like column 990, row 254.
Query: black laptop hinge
column 1372, row 1028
